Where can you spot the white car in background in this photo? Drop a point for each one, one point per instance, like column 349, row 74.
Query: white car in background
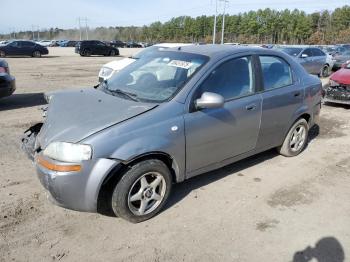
column 44, row 42
column 109, row 69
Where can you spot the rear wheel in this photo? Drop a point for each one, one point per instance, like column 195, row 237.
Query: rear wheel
column 325, row 71
column 296, row 139
column 142, row 191
column 2, row 54
column 36, row 54
column 112, row 53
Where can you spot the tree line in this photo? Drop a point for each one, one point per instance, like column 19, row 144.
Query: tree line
column 261, row 27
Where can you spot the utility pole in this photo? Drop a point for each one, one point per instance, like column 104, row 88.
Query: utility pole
column 79, row 28
column 80, row 20
column 38, row 33
column 223, row 22
column 33, row 32
column 215, row 18
column 86, row 29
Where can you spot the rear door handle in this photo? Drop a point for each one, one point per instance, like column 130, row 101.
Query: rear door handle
column 250, row 107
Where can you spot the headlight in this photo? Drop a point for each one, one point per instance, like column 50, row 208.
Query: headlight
column 333, row 83
column 106, row 72
column 68, row 152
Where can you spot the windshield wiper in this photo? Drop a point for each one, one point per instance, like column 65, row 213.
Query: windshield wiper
column 127, row 94
column 104, row 86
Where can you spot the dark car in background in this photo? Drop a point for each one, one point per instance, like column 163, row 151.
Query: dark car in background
column 95, row 47
column 132, row 44
column 68, row 43
column 23, row 48
column 313, row 59
column 7, row 82
column 117, row 43
column 341, row 58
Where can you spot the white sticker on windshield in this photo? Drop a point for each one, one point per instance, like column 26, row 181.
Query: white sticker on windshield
column 181, row 64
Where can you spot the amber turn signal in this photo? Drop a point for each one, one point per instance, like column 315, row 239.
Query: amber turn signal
column 59, row 168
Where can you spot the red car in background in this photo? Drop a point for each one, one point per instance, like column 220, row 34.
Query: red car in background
column 338, row 90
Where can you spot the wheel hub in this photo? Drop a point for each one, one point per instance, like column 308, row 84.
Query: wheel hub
column 148, row 192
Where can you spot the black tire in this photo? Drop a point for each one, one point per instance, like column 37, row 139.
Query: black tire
column 86, row 52
column 286, row 149
column 123, row 191
column 112, row 53
column 325, row 71
column 2, row 54
column 36, row 54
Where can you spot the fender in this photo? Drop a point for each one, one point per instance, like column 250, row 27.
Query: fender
column 148, row 145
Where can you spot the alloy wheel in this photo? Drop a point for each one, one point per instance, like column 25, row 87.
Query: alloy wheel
column 146, row 194
column 298, row 138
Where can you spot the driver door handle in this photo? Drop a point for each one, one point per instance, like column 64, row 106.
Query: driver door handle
column 250, row 107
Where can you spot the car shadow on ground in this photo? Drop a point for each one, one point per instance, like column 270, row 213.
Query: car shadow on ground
column 330, row 104
column 180, row 191
column 17, row 101
column 327, row 249
column 43, row 56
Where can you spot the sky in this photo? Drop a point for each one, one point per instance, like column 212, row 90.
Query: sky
column 24, row 14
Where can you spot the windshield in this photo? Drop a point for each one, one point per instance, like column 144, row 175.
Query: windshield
column 147, row 51
column 157, row 77
column 292, row 51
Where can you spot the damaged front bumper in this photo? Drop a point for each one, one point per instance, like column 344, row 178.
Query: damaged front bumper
column 337, row 94
column 28, row 140
column 73, row 190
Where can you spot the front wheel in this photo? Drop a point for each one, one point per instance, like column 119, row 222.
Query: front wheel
column 296, row 139
column 36, row 54
column 2, row 54
column 142, row 191
column 112, row 53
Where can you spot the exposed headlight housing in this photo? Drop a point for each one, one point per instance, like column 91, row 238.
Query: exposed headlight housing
column 333, row 83
column 106, row 72
column 68, row 152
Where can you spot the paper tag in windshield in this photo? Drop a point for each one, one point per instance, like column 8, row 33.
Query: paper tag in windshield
column 181, row 64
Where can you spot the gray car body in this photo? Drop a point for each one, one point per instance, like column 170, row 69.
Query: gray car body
column 312, row 64
column 121, row 131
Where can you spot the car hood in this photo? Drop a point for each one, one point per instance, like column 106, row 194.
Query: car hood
column 342, row 76
column 75, row 115
column 120, row 64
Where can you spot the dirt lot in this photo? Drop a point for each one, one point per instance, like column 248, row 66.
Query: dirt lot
column 266, row 208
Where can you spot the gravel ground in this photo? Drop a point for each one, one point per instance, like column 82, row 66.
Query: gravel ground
column 265, row 208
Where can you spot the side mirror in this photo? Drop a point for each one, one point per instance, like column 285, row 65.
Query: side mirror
column 209, row 100
column 304, row 56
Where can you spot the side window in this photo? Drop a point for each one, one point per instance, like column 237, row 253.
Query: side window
column 308, row 52
column 318, row 52
column 276, row 72
column 14, row 44
column 231, row 79
column 27, row 44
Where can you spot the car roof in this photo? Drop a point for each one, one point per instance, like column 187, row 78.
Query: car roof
column 170, row 45
column 214, row 50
